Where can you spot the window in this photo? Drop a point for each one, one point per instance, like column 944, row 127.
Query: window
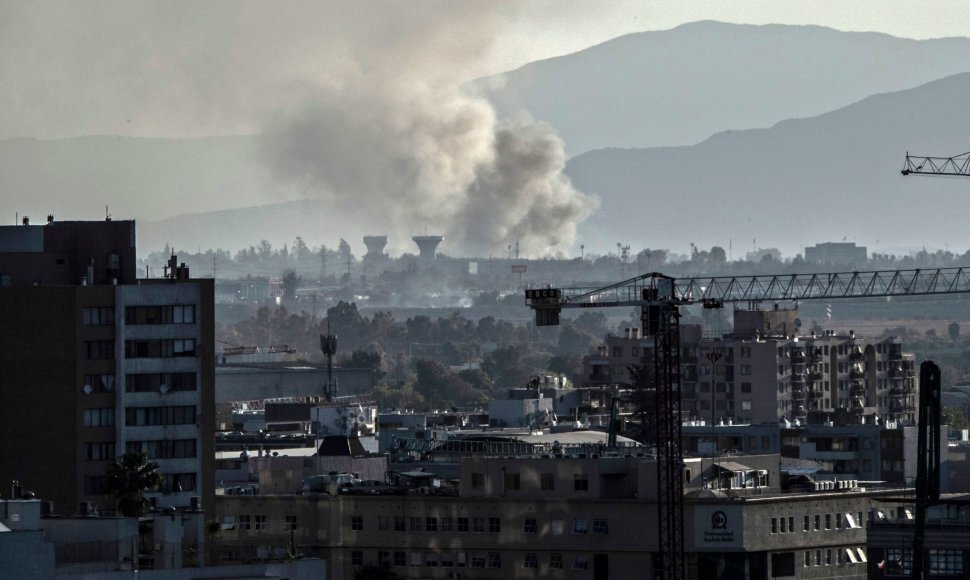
column 478, row 560
column 581, row 562
column 530, row 560
column 447, row 524
column 512, row 481
column 580, row 526
column 177, row 314
column 431, row 524
column 245, row 522
column 177, row 482
column 398, row 523
column 850, row 521
column 383, row 523
column 601, row 526
column 164, row 448
column 102, row 417
column 899, row 561
column 745, row 388
column 818, row 557
column 289, row 523
column 828, row 557
column 808, row 558
column 99, row 384
column 580, row 482
column 555, row 561
column 617, row 351
column 160, row 348
column 791, row 523
column 774, row 526
column 547, row 481
column 141, row 416
column 357, row 523
column 818, row 522
column 259, row 523
column 745, row 405
column 478, row 524
column 100, row 349
column 530, row 526
column 461, row 559
column 431, row 559
column 555, row 527
column 478, row 481
column 447, row 560
column 400, row 559
column 494, row 525
column 805, row 526
column 784, row 525
column 838, row 521
column 746, row 370
column 828, row 521
column 943, row 562
column 494, row 560
column 356, row 558
column 414, row 524
column 462, row 524
column 159, row 382
column 103, row 316
column 417, row 558
column 228, row 522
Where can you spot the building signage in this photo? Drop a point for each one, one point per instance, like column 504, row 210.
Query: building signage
column 717, row 527
column 520, row 268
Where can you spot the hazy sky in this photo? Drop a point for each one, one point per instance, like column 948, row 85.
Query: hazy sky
column 202, row 68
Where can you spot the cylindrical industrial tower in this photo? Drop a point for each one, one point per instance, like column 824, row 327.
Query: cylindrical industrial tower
column 428, row 246
column 375, row 246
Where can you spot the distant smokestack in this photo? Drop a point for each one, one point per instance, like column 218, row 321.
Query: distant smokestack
column 428, row 245
column 375, row 246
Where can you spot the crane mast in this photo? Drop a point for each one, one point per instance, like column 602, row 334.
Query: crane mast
column 660, row 297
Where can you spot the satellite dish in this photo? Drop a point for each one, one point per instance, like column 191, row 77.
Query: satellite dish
column 88, row 389
column 163, row 388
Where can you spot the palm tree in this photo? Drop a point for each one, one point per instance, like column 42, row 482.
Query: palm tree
column 129, row 479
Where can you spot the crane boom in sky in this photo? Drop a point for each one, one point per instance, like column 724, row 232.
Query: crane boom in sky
column 919, row 165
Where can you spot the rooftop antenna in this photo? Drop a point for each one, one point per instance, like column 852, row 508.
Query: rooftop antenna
column 107, row 216
column 328, row 344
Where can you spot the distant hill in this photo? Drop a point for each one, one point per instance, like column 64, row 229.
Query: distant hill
column 828, row 177
column 680, row 86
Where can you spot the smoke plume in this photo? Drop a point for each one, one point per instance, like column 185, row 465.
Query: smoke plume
column 394, row 142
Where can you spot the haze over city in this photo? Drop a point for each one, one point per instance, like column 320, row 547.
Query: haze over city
column 450, row 119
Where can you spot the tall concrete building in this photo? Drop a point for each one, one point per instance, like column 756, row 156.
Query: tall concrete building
column 765, row 371
column 95, row 363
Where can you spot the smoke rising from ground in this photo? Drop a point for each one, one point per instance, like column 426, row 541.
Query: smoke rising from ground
column 394, row 142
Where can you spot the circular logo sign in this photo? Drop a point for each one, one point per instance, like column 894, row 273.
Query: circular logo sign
column 719, row 520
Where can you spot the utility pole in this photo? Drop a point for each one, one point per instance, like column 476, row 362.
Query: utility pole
column 323, row 262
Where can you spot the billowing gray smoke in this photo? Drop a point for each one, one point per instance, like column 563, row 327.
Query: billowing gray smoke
column 397, row 146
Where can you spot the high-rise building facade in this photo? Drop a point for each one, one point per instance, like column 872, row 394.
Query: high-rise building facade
column 95, row 363
column 766, row 371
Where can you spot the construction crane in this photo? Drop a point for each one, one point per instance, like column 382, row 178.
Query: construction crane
column 920, row 165
column 660, row 298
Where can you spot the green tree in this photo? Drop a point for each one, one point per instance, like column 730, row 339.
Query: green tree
column 128, row 479
column 955, row 418
column 290, row 283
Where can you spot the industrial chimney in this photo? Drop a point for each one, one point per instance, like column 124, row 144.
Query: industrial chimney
column 428, row 245
column 375, row 246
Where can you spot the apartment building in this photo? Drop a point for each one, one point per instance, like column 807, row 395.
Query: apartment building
column 766, row 371
column 564, row 517
column 95, row 363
